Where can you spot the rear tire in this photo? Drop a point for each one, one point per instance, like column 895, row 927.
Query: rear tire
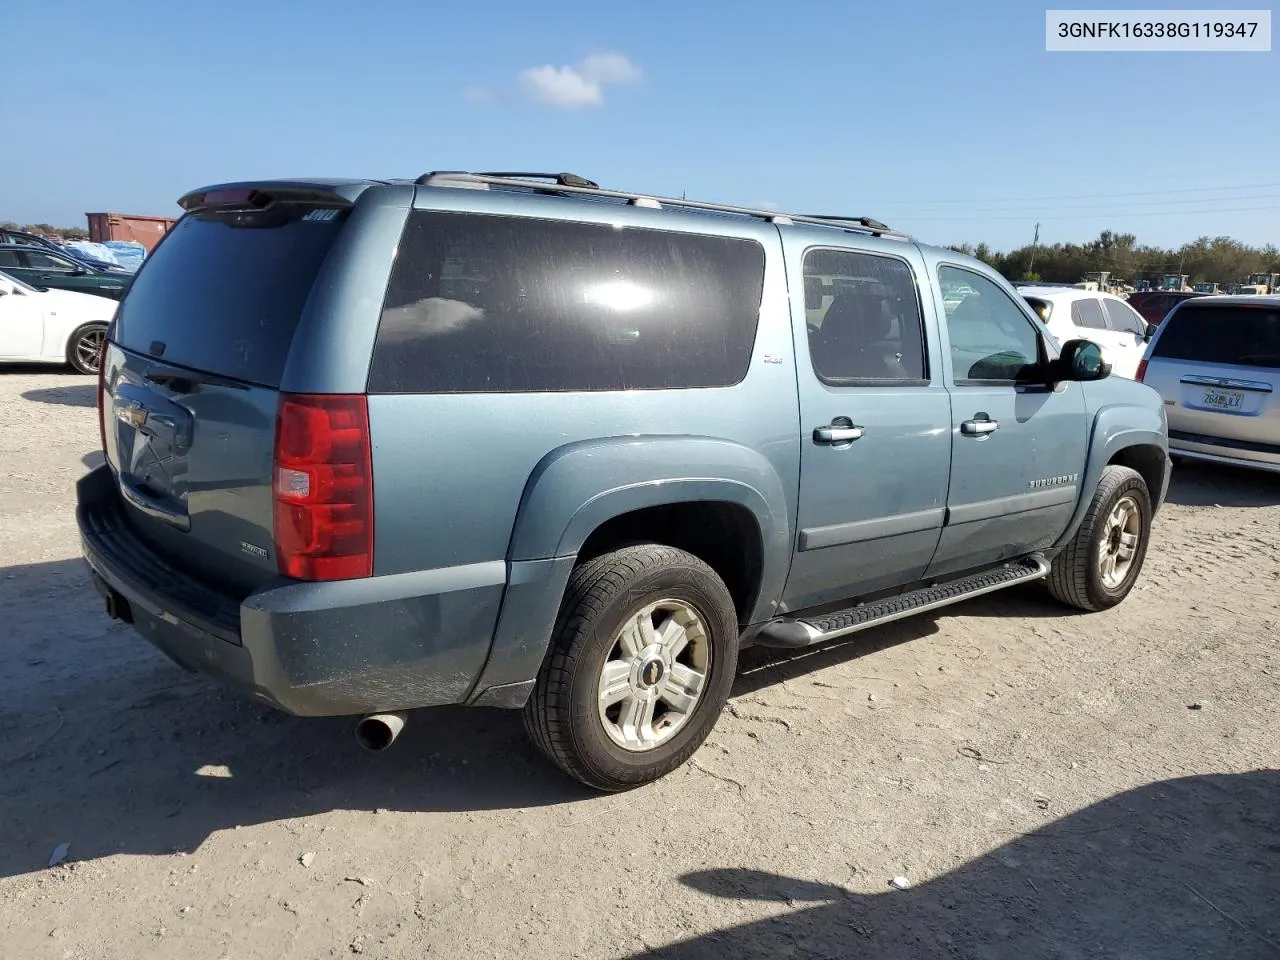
column 84, row 349
column 640, row 665
column 1103, row 560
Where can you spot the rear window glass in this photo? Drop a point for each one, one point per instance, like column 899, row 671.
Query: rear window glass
column 1243, row 336
column 490, row 304
column 226, row 298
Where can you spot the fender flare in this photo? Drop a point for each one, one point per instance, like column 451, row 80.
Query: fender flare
column 1116, row 428
column 578, row 487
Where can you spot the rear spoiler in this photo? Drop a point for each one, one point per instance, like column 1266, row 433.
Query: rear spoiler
column 262, row 196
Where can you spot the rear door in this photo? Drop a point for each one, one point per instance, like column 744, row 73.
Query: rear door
column 199, row 349
column 1017, row 446
column 875, row 453
column 1130, row 332
column 1217, row 366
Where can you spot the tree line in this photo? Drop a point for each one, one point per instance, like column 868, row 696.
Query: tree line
column 1212, row 259
column 1208, row 259
column 47, row 230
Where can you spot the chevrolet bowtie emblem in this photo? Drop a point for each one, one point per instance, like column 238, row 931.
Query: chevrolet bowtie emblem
column 134, row 414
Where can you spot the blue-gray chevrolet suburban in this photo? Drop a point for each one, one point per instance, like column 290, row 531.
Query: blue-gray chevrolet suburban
column 515, row 440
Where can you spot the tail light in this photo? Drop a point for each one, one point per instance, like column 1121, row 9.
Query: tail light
column 323, row 487
column 1142, row 370
column 102, row 395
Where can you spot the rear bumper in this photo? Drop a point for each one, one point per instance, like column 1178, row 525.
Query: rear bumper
column 1234, row 453
column 309, row 649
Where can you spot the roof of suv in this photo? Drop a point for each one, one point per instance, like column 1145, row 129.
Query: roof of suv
column 1050, row 292
column 544, row 184
column 1238, row 299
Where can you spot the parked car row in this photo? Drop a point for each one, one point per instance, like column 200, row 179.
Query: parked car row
column 61, row 270
column 51, row 326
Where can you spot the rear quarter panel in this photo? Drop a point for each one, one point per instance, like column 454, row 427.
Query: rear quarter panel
column 451, row 472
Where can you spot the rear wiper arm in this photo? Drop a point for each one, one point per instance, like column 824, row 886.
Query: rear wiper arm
column 187, row 381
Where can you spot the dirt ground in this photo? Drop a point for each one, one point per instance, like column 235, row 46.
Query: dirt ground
column 1050, row 784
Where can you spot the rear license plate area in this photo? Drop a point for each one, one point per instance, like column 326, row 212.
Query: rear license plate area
column 1228, row 401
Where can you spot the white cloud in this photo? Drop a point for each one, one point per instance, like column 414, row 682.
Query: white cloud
column 570, row 87
column 478, row 94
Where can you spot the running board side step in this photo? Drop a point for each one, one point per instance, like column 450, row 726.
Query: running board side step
column 805, row 631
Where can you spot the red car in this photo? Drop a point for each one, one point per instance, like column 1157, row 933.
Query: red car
column 1154, row 305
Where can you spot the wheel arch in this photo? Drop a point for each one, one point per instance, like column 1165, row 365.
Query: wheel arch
column 587, row 498
column 1125, row 435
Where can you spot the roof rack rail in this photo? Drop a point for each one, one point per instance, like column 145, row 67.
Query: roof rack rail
column 864, row 221
column 560, row 179
column 569, row 184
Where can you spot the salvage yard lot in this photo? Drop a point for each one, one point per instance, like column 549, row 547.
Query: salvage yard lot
column 1050, row 784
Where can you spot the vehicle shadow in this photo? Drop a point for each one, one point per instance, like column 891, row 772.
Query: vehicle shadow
column 72, row 395
column 1185, row 868
column 1213, row 485
column 106, row 744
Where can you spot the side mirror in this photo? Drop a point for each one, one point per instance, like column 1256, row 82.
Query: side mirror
column 1082, row 361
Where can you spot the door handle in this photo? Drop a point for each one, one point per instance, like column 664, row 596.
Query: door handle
column 979, row 426
column 836, row 433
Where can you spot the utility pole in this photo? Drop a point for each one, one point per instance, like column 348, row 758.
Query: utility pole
column 1035, row 240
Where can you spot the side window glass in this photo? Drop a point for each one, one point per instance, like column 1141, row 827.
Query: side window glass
column 43, row 261
column 496, row 304
column 992, row 340
column 1087, row 313
column 869, row 329
column 9, row 258
column 1124, row 318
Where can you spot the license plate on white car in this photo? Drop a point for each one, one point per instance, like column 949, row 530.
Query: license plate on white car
column 1223, row 399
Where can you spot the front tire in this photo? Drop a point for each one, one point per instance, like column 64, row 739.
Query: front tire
column 1102, row 562
column 84, row 349
column 641, row 663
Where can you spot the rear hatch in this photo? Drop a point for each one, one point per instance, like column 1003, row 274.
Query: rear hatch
column 1217, row 366
column 193, row 373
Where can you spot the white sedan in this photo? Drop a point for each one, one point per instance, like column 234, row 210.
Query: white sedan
column 52, row 326
column 1071, row 313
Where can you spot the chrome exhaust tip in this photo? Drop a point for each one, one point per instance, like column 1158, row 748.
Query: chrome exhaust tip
column 379, row 730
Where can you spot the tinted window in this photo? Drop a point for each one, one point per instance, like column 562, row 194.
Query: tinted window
column 1246, row 336
column 38, row 260
column 486, row 304
column 867, row 326
column 1088, row 313
column 1043, row 308
column 226, row 298
column 1123, row 318
column 9, row 258
column 991, row 338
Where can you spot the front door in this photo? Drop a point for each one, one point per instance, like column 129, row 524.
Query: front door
column 874, row 424
column 1017, row 447
column 49, row 269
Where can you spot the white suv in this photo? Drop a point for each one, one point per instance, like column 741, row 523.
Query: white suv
column 1071, row 313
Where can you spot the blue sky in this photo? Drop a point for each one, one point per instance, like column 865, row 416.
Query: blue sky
column 945, row 119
